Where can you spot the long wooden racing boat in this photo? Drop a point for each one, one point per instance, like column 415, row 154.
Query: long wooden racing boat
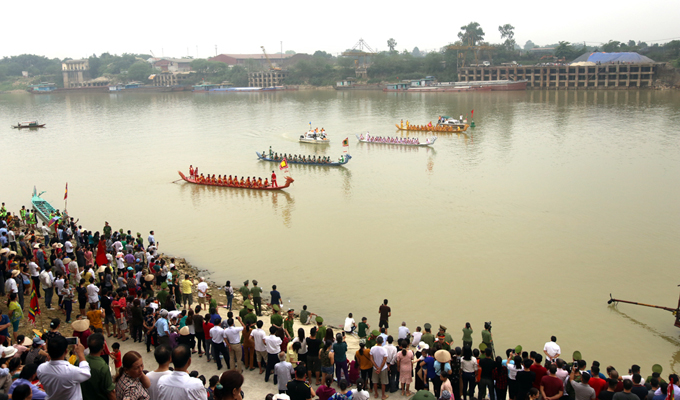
column 425, row 128
column 42, row 207
column 346, row 157
column 289, row 180
column 428, row 141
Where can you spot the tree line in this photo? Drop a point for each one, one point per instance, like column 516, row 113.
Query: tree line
column 322, row 68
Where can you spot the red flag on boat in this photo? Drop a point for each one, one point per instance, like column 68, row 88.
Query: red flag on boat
column 34, row 307
column 472, row 113
column 66, row 191
column 284, row 164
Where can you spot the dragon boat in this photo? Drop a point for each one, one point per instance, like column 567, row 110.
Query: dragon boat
column 345, row 160
column 425, row 128
column 192, row 180
column 41, row 206
column 427, row 142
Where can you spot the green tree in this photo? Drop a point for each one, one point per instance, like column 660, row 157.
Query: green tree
column 471, row 34
column 529, row 45
column 323, row 54
column 611, row 46
column 416, row 52
column 392, row 44
column 564, row 50
column 290, row 52
column 139, row 71
column 507, row 32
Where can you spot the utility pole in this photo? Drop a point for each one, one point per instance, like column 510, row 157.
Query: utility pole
column 215, row 50
column 196, row 51
column 282, row 49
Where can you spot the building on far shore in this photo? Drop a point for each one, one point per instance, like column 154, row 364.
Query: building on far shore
column 167, row 78
column 267, row 78
column 75, row 72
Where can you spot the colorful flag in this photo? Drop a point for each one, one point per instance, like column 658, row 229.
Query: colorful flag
column 345, row 143
column 472, row 113
column 670, row 392
column 53, row 221
column 66, row 191
column 284, row 164
column 34, row 308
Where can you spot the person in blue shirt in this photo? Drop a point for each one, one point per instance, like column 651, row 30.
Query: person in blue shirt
column 276, row 296
column 163, row 328
column 27, row 375
column 4, row 325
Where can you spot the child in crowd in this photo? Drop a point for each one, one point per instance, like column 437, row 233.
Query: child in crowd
column 117, row 357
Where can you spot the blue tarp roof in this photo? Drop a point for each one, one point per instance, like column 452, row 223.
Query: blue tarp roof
column 624, row 57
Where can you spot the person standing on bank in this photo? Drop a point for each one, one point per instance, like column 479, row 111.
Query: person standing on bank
column 385, row 313
column 467, row 335
column 256, row 292
column 487, row 338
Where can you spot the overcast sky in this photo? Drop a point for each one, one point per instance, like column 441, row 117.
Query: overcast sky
column 79, row 28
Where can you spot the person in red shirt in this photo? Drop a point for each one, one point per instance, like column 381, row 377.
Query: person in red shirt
column 274, row 180
column 597, row 383
column 552, row 387
column 539, row 370
column 207, row 326
column 117, row 359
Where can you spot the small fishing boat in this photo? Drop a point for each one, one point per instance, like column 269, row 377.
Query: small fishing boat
column 344, row 159
column 28, row 124
column 452, row 122
column 43, row 208
column 395, row 141
column 426, row 128
column 192, row 180
column 314, row 137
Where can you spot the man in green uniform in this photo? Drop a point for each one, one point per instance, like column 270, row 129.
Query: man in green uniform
column 256, row 292
column 245, row 292
column 276, row 319
column 250, row 318
column 320, row 329
column 163, row 294
column 288, row 323
column 244, row 311
column 428, row 337
column 100, row 385
column 487, row 339
column 107, row 230
column 371, row 341
column 441, row 343
column 447, row 337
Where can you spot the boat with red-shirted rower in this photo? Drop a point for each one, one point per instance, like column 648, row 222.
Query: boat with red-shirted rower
column 192, row 179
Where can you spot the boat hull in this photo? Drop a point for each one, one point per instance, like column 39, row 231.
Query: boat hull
column 430, row 143
column 191, row 180
column 334, row 164
column 28, row 126
column 43, row 208
column 315, row 141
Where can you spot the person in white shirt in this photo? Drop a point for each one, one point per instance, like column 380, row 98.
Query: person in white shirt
column 34, row 271
column 11, row 284
column 46, row 283
column 163, row 356
column 151, row 239
column 92, row 292
column 202, row 291
column 68, row 248
column 218, row 346
column 284, row 372
column 59, row 378
column 379, row 361
column 233, row 336
column 179, row 385
column 552, row 349
column 273, row 346
column 350, row 324
column 260, row 349
column 417, row 335
column 404, row 331
column 392, row 366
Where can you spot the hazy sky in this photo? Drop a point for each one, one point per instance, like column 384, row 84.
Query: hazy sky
column 80, row 28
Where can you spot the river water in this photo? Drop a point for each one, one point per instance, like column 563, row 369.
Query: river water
column 530, row 220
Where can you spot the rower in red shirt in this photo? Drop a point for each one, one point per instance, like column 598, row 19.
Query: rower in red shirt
column 191, row 171
column 274, row 180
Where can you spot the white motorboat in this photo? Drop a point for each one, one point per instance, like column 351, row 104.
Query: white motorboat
column 314, row 137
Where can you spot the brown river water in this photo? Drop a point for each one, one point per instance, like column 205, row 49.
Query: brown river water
column 530, row 220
